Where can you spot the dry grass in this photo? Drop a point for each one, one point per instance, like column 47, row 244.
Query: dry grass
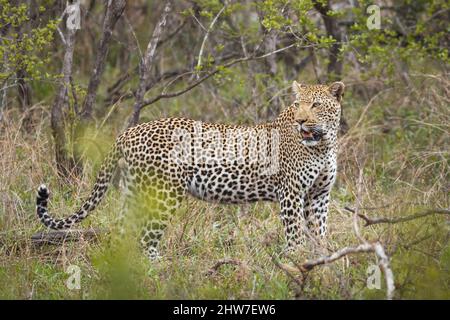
column 400, row 139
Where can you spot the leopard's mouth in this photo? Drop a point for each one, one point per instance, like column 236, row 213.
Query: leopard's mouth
column 306, row 135
column 311, row 135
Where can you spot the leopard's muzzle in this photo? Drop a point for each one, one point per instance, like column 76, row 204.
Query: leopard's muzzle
column 311, row 134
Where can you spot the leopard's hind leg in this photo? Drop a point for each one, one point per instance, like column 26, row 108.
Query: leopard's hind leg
column 153, row 200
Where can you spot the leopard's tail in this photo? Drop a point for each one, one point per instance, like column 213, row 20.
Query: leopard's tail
column 100, row 187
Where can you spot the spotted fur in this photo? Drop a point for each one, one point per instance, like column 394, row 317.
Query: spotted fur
column 164, row 162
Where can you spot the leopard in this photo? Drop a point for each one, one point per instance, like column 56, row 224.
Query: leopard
column 291, row 160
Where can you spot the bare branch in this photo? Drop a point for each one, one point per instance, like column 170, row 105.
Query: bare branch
column 61, row 236
column 376, row 220
column 209, row 75
column 202, row 47
column 175, row 74
column 288, row 270
column 279, row 50
column 146, row 64
column 375, row 247
column 192, row 85
column 309, row 265
column 385, row 266
column 173, row 33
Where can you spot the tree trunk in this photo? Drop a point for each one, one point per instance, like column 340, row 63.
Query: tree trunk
column 66, row 164
column 334, row 69
column 268, row 67
column 331, row 26
column 23, row 90
column 114, row 10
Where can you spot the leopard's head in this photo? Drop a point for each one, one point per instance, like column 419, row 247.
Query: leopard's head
column 318, row 111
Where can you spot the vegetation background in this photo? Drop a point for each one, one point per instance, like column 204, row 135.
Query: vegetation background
column 65, row 94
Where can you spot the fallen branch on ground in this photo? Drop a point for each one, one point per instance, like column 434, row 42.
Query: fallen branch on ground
column 222, row 262
column 289, row 271
column 60, row 236
column 309, row 265
column 375, row 247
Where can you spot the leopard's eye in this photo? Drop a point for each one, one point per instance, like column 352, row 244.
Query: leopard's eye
column 315, row 104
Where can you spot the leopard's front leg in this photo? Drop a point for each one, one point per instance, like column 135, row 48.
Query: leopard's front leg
column 316, row 212
column 292, row 217
column 317, row 202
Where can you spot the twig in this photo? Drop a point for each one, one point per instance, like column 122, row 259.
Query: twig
column 172, row 34
column 376, row 220
column 202, row 47
column 222, row 262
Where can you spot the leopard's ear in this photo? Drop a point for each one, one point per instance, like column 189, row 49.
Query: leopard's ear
column 296, row 88
column 337, row 90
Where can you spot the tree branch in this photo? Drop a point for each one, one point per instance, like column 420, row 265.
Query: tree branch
column 202, row 47
column 60, row 236
column 376, row 220
column 209, row 75
column 192, row 85
column 309, row 265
